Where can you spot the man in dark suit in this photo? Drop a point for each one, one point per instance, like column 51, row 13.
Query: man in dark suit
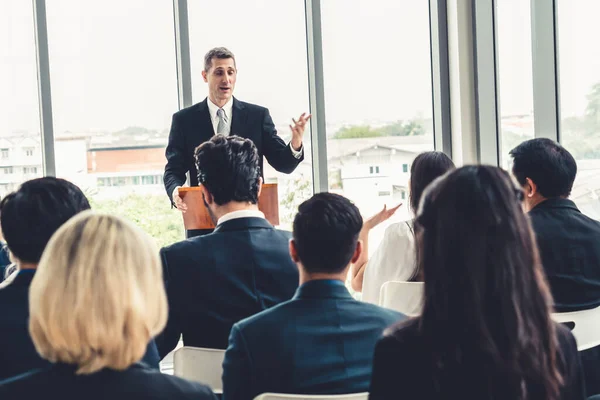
column 568, row 241
column 29, row 217
column 242, row 268
column 221, row 113
column 322, row 341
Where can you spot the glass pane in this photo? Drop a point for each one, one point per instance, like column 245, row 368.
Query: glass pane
column 513, row 19
column 20, row 140
column 580, row 97
column 377, row 70
column 268, row 38
column 114, row 90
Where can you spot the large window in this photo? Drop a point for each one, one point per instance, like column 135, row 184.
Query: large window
column 268, row 38
column 513, row 22
column 114, row 89
column 580, row 96
column 20, row 141
column 377, row 67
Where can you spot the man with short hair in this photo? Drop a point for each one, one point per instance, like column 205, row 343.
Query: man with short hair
column 29, row 217
column 322, row 341
column 241, row 268
column 221, row 113
column 568, row 241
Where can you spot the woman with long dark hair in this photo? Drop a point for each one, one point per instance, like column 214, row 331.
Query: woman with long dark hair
column 486, row 330
column 394, row 259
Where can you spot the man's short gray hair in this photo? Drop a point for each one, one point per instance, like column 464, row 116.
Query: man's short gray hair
column 218, row 52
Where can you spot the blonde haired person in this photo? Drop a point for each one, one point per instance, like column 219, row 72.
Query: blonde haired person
column 95, row 303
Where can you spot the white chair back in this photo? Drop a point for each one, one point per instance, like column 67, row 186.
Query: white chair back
column 282, row 396
column 200, row 365
column 404, row 297
column 587, row 326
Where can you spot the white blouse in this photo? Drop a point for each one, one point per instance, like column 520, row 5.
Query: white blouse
column 394, row 260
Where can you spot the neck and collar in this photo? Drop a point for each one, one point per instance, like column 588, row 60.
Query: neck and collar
column 234, row 210
column 552, row 202
column 214, row 106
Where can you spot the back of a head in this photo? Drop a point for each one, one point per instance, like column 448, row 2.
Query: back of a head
column 31, row 215
column 485, row 293
column 326, row 230
column 549, row 165
column 425, row 168
column 98, row 296
column 228, row 166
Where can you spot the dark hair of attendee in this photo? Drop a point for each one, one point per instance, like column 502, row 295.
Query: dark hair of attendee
column 31, row 215
column 486, row 304
column 424, row 169
column 326, row 230
column 549, row 165
column 228, row 166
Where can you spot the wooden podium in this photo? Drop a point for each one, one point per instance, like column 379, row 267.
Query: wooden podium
column 197, row 216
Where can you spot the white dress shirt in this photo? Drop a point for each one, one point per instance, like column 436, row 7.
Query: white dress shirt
column 394, row 260
column 240, row 214
column 228, row 109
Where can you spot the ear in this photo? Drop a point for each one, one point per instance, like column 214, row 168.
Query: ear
column 260, row 183
column 530, row 188
column 293, row 252
column 208, row 198
column 205, row 76
column 357, row 251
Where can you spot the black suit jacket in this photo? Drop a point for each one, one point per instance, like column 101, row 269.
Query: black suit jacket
column 402, row 369
column 138, row 382
column 192, row 126
column 320, row 342
column 215, row 280
column 17, row 352
column 569, row 244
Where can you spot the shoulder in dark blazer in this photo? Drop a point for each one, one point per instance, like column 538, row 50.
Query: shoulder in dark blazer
column 59, row 381
column 17, row 352
column 320, row 342
column 192, row 126
column 215, row 280
column 401, row 367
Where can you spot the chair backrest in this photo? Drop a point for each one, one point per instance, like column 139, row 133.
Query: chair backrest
column 405, row 297
column 586, row 323
column 283, row 396
column 200, row 365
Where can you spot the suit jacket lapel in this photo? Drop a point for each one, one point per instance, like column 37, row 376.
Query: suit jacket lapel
column 238, row 119
column 205, row 128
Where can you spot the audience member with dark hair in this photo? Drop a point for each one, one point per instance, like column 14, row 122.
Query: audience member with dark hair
column 568, row 241
column 486, row 330
column 95, row 304
column 321, row 341
column 242, row 268
column 29, row 217
column 394, row 259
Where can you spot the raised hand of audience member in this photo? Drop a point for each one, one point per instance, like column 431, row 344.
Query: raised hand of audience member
column 357, row 270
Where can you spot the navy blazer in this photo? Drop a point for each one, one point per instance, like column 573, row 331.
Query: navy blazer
column 17, row 352
column 215, row 280
column 569, row 244
column 320, row 342
column 59, row 381
column 193, row 126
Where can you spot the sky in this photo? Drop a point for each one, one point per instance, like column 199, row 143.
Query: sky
column 113, row 62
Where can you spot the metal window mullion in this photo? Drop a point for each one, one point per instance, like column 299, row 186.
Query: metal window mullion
column 314, row 39
column 440, row 76
column 44, row 88
column 487, row 104
column 182, row 53
column 544, row 47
